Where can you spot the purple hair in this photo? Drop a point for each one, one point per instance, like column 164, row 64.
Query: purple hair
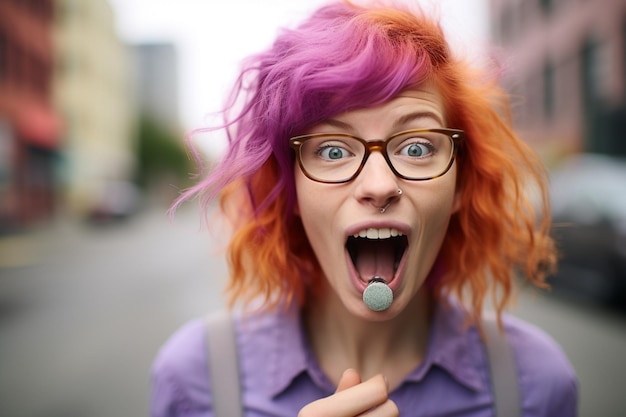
column 340, row 59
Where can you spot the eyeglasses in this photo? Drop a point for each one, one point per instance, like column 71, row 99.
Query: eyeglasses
column 416, row 155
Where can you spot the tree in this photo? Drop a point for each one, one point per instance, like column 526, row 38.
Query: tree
column 160, row 155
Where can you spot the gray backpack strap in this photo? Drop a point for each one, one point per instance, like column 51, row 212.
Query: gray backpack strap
column 223, row 365
column 503, row 370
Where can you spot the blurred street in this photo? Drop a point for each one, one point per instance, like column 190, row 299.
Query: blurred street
column 82, row 321
column 84, row 309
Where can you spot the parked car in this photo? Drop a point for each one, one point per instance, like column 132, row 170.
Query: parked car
column 589, row 211
column 115, row 200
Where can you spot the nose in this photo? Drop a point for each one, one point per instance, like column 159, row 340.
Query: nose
column 377, row 185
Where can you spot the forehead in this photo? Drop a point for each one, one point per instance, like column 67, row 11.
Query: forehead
column 415, row 108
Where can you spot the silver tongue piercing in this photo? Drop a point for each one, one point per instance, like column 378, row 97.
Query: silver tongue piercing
column 377, row 295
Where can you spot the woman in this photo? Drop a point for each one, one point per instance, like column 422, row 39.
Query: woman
column 378, row 198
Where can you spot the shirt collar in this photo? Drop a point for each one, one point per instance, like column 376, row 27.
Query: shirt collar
column 291, row 355
column 453, row 346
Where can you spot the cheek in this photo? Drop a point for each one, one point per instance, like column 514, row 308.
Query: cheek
column 303, row 195
column 310, row 205
column 435, row 208
column 447, row 196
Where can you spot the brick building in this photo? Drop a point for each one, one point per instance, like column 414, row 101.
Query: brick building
column 29, row 128
column 565, row 61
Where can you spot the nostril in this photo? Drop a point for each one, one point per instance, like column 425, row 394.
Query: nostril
column 383, row 207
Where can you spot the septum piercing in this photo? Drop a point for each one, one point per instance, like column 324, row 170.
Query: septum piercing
column 383, row 209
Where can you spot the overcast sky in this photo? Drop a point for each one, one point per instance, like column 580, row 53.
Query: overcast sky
column 212, row 36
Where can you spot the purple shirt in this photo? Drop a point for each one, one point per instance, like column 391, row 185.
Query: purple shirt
column 280, row 374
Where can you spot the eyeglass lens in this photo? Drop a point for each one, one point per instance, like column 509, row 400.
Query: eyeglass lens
column 414, row 155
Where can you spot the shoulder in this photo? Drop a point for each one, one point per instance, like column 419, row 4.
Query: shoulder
column 269, row 354
column 180, row 383
column 183, row 350
column 547, row 379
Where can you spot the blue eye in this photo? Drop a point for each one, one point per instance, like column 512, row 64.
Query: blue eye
column 416, row 150
column 333, row 152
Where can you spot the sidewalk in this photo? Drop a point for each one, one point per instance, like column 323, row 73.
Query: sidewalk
column 34, row 244
column 40, row 243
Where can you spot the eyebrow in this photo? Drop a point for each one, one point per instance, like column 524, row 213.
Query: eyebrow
column 417, row 115
column 398, row 123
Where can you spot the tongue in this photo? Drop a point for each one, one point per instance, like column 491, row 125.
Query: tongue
column 375, row 258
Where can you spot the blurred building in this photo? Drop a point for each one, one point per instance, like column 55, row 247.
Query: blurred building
column 163, row 163
column 93, row 90
column 29, row 127
column 566, row 66
column 156, row 83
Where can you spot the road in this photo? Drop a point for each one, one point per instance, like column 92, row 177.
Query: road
column 83, row 311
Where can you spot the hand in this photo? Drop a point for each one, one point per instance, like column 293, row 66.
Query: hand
column 354, row 398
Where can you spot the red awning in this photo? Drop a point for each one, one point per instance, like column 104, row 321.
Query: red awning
column 39, row 126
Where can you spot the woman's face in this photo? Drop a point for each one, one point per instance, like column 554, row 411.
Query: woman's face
column 332, row 214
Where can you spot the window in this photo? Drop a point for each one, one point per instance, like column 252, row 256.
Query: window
column 595, row 74
column 549, row 89
column 546, row 6
column 3, row 56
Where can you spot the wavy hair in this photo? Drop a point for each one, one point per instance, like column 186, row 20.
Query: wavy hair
column 346, row 57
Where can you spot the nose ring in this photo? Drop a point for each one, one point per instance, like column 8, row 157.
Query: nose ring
column 383, row 209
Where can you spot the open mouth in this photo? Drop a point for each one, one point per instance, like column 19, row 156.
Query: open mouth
column 377, row 252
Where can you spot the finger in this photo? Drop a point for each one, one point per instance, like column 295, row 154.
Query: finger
column 351, row 401
column 349, row 379
column 386, row 409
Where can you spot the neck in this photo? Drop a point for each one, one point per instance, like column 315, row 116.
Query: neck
column 341, row 340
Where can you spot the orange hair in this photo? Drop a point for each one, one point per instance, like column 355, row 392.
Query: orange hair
column 269, row 254
column 502, row 228
column 498, row 230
